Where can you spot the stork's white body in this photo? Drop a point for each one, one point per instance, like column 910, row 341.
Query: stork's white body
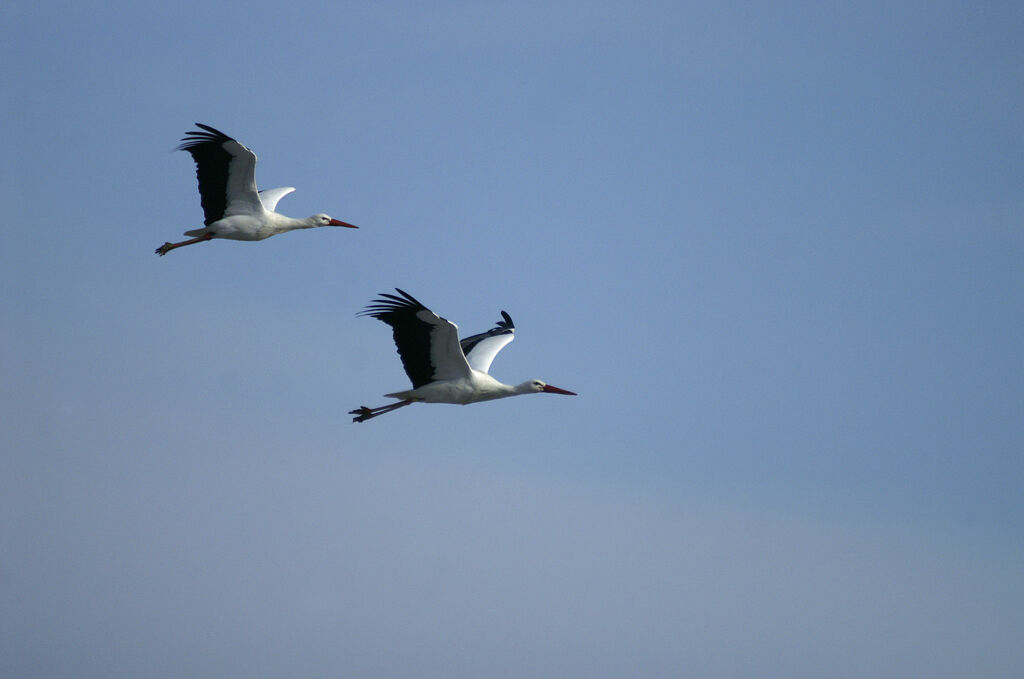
column 261, row 223
column 477, row 386
column 442, row 368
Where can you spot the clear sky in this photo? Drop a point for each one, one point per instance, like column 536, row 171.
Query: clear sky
column 776, row 248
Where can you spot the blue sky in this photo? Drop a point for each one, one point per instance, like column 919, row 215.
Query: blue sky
column 775, row 249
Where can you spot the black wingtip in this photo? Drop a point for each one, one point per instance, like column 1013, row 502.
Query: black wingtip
column 387, row 303
column 211, row 130
column 195, row 139
column 507, row 323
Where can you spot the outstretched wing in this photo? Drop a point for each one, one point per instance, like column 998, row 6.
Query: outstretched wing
column 427, row 343
column 481, row 349
column 225, row 169
column 270, row 197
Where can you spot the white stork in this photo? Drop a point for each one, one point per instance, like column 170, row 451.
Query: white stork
column 442, row 368
column 233, row 208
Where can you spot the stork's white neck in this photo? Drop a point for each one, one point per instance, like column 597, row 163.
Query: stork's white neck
column 488, row 388
column 492, row 388
column 278, row 223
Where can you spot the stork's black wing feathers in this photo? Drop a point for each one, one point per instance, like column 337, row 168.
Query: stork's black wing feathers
column 412, row 335
column 212, row 160
column 504, row 327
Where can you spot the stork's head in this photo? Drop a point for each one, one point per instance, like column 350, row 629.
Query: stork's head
column 538, row 386
column 326, row 220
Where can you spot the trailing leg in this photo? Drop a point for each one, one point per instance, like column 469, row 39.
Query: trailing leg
column 363, row 413
column 167, row 247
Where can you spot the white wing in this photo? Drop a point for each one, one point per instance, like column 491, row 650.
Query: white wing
column 225, row 170
column 240, row 191
column 270, row 197
column 481, row 349
column 481, row 355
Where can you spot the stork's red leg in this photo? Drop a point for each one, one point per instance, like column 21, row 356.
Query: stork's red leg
column 167, row 247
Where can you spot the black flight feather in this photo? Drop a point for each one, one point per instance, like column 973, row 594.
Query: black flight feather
column 207, row 149
column 412, row 336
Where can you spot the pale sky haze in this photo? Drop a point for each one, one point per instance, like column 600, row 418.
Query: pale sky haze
column 775, row 247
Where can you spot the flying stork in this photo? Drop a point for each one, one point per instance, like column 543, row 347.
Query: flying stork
column 233, row 208
column 442, row 368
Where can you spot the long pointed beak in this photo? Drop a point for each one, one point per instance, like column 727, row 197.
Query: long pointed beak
column 555, row 390
column 338, row 222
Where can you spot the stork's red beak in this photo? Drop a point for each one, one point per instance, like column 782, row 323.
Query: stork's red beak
column 338, row 222
column 555, row 390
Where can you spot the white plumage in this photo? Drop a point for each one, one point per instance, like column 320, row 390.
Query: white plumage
column 232, row 206
column 442, row 368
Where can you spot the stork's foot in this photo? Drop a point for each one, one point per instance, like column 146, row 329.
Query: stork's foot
column 167, row 247
column 363, row 414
